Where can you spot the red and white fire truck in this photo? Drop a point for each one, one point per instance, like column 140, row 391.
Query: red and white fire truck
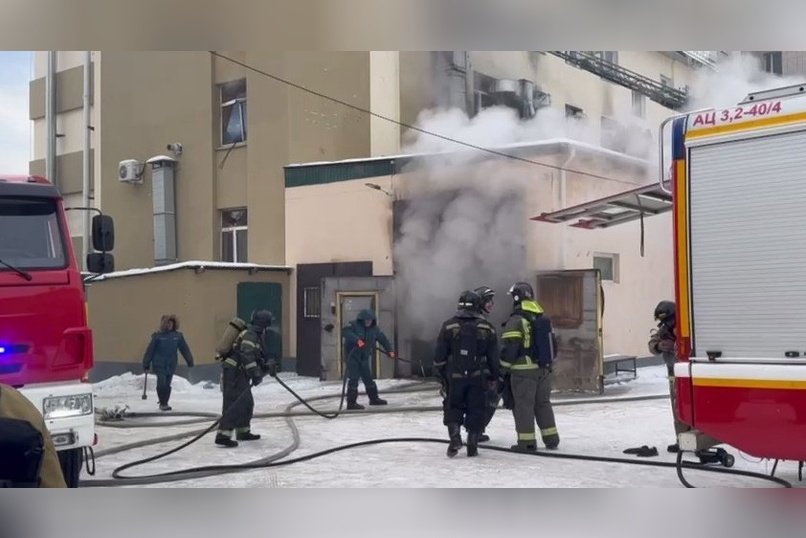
column 45, row 341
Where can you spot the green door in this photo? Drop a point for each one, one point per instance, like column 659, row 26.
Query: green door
column 263, row 295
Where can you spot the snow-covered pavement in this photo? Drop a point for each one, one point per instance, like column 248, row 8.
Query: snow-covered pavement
column 602, row 429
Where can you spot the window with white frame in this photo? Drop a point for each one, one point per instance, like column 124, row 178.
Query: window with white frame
column 234, row 235
column 607, row 264
column 638, row 104
column 232, row 96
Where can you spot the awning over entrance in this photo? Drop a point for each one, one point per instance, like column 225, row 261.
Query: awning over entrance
column 617, row 209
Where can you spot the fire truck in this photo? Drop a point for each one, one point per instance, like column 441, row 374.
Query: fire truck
column 45, row 342
column 738, row 185
column 736, row 188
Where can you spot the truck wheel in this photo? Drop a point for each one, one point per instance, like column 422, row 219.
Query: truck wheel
column 71, row 461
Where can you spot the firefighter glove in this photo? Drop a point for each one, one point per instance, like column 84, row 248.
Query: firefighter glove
column 256, row 380
column 271, row 367
column 666, row 346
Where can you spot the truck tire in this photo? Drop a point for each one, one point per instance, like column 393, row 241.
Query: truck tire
column 71, row 461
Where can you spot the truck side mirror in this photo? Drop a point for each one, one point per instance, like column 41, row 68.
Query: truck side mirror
column 100, row 263
column 103, row 233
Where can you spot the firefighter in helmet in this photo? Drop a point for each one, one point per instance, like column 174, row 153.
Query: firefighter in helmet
column 487, row 296
column 662, row 342
column 466, row 363
column 243, row 370
column 527, row 356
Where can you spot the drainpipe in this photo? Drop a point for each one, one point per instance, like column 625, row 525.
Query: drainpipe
column 563, row 202
column 85, row 238
column 50, row 118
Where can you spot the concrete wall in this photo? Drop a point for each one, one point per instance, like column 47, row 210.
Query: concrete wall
column 125, row 311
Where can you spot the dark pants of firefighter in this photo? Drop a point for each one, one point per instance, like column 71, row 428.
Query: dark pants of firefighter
column 679, row 426
column 466, row 403
column 238, row 406
column 164, row 388
column 531, row 390
column 358, row 368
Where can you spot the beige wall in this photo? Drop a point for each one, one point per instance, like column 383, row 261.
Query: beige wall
column 385, row 100
column 346, row 221
column 138, row 124
column 124, row 311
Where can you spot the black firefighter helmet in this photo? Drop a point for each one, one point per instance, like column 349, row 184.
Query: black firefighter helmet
column 262, row 319
column 665, row 310
column 522, row 291
column 469, row 300
column 486, row 293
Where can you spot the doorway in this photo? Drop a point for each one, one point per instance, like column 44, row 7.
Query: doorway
column 349, row 305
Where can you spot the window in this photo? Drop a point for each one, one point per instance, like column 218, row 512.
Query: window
column 666, row 81
column 638, row 104
column 607, row 264
column 233, row 235
column 233, row 112
column 613, row 135
column 574, row 112
column 773, row 62
column 606, row 55
column 311, row 302
column 37, row 238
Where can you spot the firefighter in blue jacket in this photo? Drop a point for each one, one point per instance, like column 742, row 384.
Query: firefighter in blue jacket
column 360, row 337
column 161, row 356
column 527, row 356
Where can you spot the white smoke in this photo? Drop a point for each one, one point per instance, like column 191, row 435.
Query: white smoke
column 737, row 75
column 464, row 222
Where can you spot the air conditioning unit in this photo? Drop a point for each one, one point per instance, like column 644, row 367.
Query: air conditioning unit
column 130, row 171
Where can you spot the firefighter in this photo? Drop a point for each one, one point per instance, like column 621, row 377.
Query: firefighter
column 360, row 337
column 527, row 356
column 27, row 455
column 248, row 362
column 487, row 296
column 161, row 356
column 662, row 342
column 466, row 363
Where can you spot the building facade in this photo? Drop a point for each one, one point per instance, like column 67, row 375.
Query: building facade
column 230, row 126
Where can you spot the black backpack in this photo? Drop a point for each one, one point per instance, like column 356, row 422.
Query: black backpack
column 22, row 450
column 465, row 347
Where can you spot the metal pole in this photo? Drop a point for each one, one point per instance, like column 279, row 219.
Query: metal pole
column 85, row 234
column 50, row 118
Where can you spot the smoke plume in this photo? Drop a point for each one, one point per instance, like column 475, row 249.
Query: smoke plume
column 464, row 217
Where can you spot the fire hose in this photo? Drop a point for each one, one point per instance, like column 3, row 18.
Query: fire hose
column 276, row 460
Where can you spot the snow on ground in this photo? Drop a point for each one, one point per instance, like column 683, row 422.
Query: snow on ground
column 601, row 429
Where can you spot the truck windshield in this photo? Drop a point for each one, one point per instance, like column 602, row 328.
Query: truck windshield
column 30, row 234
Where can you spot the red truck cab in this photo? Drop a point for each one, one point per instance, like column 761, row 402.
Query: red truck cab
column 45, row 341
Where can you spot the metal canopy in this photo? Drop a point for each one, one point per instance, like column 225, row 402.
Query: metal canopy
column 612, row 210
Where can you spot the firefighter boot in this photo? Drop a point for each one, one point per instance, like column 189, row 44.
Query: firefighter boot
column 372, row 392
column 525, row 446
column 456, row 440
column 225, row 440
column 483, row 438
column 247, row 436
column 472, row 444
column 352, row 396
